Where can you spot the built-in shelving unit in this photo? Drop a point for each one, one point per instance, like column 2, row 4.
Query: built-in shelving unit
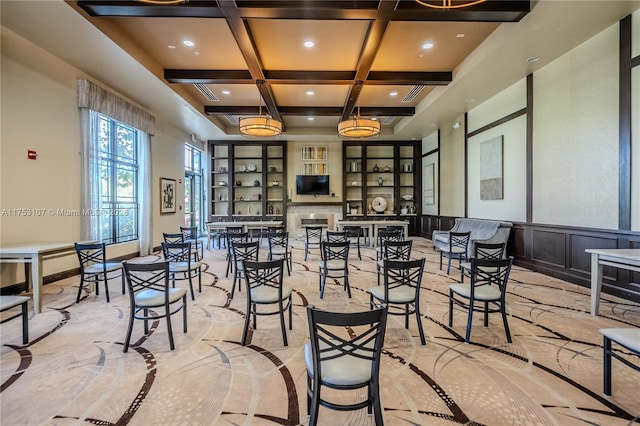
column 248, row 181
column 381, row 181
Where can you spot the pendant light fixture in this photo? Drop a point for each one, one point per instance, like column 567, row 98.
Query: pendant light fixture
column 357, row 127
column 262, row 126
column 448, row 4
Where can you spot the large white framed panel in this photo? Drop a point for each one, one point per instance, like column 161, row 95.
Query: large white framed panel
column 430, row 162
column 513, row 206
column 635, row 33
column 430, row 142
column 451, row 171
column 575, row 136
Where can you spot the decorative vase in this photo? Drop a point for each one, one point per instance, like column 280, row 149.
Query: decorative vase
column 238, row 183
column 376, row 168
column 380, row 181
column 270, row 209
column 387, row 168
column 256, row 182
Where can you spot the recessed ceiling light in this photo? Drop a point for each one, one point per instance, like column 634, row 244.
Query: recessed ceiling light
column 171, row 46
column 310, row 118
column 469, row 100
column 427, row 45
column 533, row 59
column 226, row 92
column 309, row 43
column 460, row 35
column 374, row 118
column 310, row 92
column 188, row 43
column 394, row 93
column 196, row 53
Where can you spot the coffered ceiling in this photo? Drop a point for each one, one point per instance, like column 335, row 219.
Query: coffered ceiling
column 377, row 57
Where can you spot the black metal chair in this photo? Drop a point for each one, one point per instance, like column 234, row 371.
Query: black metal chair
column 334, row 264
column 179, row 238
column 457, row 248
column 149, row 289
column 179, row 257
column 402, row 279
column 11, row 301
column 265, row 287
column 629, row 339
column 386, row 235
column 396, row 250
column 314, row 239
column 241, row 251
column 190, row 235
column 343, row 360
column 279, row 248
column 336, row 236
column 94, row 268
column 231, row 238
column 482, row 251
column 353, row 234
column 489, row 280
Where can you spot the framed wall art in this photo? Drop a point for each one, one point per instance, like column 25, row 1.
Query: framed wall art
column 491, row 169
column 167, row 195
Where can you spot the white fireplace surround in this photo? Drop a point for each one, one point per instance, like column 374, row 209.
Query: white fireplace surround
column 298, row 216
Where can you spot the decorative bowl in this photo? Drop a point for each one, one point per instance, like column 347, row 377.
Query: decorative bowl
column 242, row 169
column 251, row 167
column 407, row 197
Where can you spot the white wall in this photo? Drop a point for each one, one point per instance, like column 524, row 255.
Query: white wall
column 39, row 112
column 575, row 136
column 335, row 164
column 452, row 170
column 430, row 143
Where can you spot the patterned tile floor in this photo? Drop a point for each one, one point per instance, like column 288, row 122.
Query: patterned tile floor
column 74, row 372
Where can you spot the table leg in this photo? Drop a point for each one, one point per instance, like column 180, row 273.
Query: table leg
column 596, row 283
column 36, row 283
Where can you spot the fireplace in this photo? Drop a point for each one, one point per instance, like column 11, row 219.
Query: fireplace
column 298, row 217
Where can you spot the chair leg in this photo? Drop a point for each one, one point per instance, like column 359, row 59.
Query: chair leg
column 486, row 314
column 315, row 404
column 290, row 313
column 323, row 280
column 169, row 329
column 282, row 326
column 25, row 323
column 306, row 251
column 450, row 308
column 377, row 409
column 80, row 288
column 199, row 280
column 184, row 313
column 419, row 319
column 123, row 286
column 607, row 366
column 469, row 321
column 247, row 316
column 406, row 316
column 504, row 320
column 441, row 260
column 346, row 283
column 127, row 338
column 449, row 264
column 106, row 286
column 193, row 295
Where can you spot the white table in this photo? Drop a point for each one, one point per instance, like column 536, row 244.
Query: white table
column 32, row 255
column 373, row 226
column 247, row 225
column 617, row 258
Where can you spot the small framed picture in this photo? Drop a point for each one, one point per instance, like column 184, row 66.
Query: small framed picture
column 167, row 196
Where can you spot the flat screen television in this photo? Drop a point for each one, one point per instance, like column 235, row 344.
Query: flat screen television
column 312, row 185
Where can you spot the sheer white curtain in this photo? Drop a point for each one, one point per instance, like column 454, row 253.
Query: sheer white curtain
column 145, row 214
column 91, row 196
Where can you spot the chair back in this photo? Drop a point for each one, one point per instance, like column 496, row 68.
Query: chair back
column 314, row 234
column 330, row 341
column 338, row 250
column 275, row 230
column 234, row 237
column 245, row 250
column 459, row 242
column 173, row 237
column 336, row 236
column 397, row 249
column 353, row 232
column 264, row 274
column 189, row 232
column 177, row 252
column 488, row 250
column 278, row 239
column 235, row 229
column 396, row 228
column 147, row 276
column 398, row 273
column 388, row 235
column 490, row 272
column 90, row 254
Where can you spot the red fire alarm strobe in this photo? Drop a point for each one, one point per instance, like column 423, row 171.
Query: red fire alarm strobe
column 31, row 155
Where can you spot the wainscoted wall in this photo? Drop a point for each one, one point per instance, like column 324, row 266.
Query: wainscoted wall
column 559, row 251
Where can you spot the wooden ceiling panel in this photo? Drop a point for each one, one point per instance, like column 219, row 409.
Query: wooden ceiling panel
column 401, row 48
column 323, row 95
column 280, row 44
column 214, row 46
column 374, row 95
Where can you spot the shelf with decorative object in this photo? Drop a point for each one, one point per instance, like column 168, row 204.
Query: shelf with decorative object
column 381, row 180
column 254, row 177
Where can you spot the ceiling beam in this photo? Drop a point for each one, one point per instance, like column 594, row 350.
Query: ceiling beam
column 247, row 47
column 370, row 48
column 406, row 10
column 402, row 78
column 311, row 111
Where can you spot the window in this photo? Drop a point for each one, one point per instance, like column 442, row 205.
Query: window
column 192, row 186
column 117, row 154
